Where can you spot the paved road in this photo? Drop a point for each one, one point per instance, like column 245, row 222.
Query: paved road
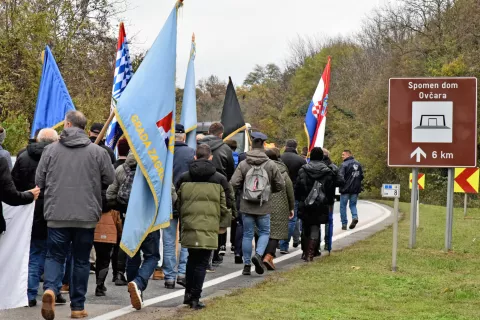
column 160, row 301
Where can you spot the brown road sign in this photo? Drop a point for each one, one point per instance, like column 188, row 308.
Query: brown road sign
column 432, row 122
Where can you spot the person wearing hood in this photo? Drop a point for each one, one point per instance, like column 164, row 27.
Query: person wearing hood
column 283, row 203
column 23, row 175
column 123, row 180
column 293, row 162
column 313, row 205
column 4, row 153
column 203, row 203
column 225, row 164
column 257, row 177
column 352, row 171
column 71, row 173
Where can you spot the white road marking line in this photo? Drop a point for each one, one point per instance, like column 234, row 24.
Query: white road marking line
column 213, row 282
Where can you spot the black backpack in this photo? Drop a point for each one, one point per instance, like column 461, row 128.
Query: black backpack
column 316, row 198
column 125, row 189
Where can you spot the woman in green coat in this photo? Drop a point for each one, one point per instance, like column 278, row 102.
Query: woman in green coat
column 282, row 204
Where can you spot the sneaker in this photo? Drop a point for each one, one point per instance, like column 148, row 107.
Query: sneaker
column 182, row 281
column 353, row 224
column 247, row 270
column 120, row 279
column 60, row 299
column 238, row 260
column 48, row 305
column 79, row 314
column 259, row 266
column 65, row 289
column 32, row 303
column 217, row 261
column 99, row 292
column 284, row 251
column 170, row 284
column 135, row 295
column 344, row 227
column 197, row 305
column 158, row 274
column 232, row 249
column 210, row 269
column 92, row 268
column 222, row 250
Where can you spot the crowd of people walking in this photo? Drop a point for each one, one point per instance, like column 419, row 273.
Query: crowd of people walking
column 82, row 192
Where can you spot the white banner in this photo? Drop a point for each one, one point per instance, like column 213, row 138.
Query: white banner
column 14, row 256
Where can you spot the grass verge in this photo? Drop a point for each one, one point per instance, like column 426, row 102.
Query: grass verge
column 356, row 283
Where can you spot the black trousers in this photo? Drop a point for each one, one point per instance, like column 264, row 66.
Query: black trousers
column 233, row 231
column 271, row 247
column 196, row 270
column 239, row 235
column 103, row 252
column 119, row 257
column 309, row 231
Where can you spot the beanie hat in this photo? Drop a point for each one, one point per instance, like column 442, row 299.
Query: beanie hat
column 3, row 134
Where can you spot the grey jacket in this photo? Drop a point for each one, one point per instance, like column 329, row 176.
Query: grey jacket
column 71, row 172
column 120, row 177
column 257, row 157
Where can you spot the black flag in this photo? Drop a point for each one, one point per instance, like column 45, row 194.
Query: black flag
column 232, row 118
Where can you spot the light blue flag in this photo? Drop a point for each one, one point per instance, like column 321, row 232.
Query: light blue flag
column 146, row 111
column 53, row 100
column 189, row 105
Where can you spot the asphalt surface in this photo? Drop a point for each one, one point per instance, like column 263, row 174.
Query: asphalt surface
column 161, row 302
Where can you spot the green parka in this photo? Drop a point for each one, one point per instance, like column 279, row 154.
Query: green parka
column 204, row 203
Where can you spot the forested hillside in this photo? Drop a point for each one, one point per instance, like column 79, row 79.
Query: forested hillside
column 411, row 38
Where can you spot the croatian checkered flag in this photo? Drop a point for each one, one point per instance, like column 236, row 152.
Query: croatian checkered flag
column 123, row 74
column 316, row 117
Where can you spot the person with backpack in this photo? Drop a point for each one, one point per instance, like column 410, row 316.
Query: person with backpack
column 203, row 203
column 257, row 177
column 315, row 191
column 283, row 204
column 118, row 194
column 352, row 172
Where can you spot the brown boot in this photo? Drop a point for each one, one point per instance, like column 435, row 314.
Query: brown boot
column 312, row 247
column 48, row 305
column 158, row 274
column 79, row 314
column 268, row 261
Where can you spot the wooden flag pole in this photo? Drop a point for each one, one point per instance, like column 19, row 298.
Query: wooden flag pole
column 105, row 127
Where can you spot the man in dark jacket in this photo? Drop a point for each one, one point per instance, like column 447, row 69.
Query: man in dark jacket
column 225, row 164
column 23, row 175
column 352, row 172
column 203, row 202
column 293, row 162
column 71, row 173
column 95, row 130
column 314, row 215
column 256, row 213
column 182, row 158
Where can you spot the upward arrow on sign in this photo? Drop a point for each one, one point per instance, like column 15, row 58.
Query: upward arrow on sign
column 467, row 180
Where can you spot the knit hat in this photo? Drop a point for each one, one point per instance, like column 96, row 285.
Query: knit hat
column 3, row 134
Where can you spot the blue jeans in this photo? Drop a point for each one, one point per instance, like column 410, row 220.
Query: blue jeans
column 169, row 254
column 263, row 227
column 58, row 244
column 151, row 255
column 36, row 262
column 284, row 244
column 344, row 199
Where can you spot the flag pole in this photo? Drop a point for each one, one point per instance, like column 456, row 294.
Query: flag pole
column 105, row 127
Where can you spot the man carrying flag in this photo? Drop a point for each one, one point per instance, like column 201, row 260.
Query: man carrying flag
column 123, row 74
column 53, row 100
column 146, row 111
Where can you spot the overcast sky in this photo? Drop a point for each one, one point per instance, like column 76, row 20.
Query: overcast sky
column 234, row 35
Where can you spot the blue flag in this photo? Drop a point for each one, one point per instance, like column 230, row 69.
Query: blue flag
column 53, row 100
column 189, row 105
column 146, row 113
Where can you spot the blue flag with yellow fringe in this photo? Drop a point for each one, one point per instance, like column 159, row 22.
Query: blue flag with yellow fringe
column 189, row 104
column 53, row 100
column 146, row 113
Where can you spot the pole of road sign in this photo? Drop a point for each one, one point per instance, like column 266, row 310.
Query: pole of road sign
column 413, row 209
column 449, row 219
column 418, row 206
column 395, row 235
column 465, row 205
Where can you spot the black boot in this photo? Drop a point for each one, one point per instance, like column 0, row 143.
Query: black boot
column 101, row 277
column 312, row 246
column 120, row 279
column 187, row 299
column 196, row 304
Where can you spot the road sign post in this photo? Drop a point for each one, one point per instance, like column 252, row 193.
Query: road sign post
column 413, row 210
column 420, row 186
column 393, row 191
column 432, row 122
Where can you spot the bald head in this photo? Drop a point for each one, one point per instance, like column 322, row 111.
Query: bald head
column 47, row 135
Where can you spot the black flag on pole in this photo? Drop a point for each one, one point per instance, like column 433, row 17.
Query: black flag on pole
column 232, row 118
